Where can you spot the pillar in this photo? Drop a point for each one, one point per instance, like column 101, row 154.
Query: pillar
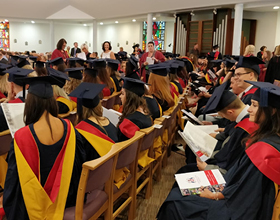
column 149, row 29
column 94, row 36
column 237, row 29
column 52, row 43
column 277, row 37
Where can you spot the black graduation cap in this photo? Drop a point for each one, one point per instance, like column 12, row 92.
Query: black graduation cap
column 39, row 64
column 15, row 57
column 134, row 61
column 60, row 76
column 75, row 73
column 250, row 62
column 87, row 94
column 40, row 86
column 136, row 45
column 56, row 61
column 33, row 58
column 99, row 63
column 218, row 61
column 215, row 47
column 180, row 62
column 159, row 69
column 220, row 99
column 168, row 55
column 16, row 73
column 173, row 68
column 3, row 67
column 122, row 55
column 134, row 85
column 92, row 72
column 267, row 94
column 22, row 61
column 229, row 62
column 114, row 64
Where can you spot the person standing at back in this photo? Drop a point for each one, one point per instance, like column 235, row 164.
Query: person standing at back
column 60, row 50
column 107, row 53
column 75, row 50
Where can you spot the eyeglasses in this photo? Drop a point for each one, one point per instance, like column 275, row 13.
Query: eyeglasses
column 240, row 74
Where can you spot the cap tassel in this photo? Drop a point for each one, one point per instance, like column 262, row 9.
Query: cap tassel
column 264, row 96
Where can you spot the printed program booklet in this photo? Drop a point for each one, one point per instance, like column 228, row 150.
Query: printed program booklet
column 193, row 183
column 201, row 143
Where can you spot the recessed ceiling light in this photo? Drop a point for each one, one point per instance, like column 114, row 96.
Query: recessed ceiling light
column 33, row 22
column 6, row 20
column 276, row 7
column 154, row 18
column 85, row 25
column 134, row 20
column 116, row 22
column 101, row 23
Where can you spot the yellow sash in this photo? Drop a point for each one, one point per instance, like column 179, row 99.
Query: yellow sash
column 276, row 208
column 115, row 87
column 38, row 204
column 175, row 86
column 3, row 169
column 67, row 102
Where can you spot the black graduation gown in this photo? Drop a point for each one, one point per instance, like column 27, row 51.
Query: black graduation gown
column 112, row 133
column 117, row 83
column 13, row 202
column 248, row 193
column 62, row 108
column 163, row 103
column 273, row 70
column 246, row 97
column 153, row 107
column 180, row 89
column 132, row 123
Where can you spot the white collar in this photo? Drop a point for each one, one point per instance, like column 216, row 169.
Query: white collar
column 20, row 94
column 242, row 114
column 246, row 90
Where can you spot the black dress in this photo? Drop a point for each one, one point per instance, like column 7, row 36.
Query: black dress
column 153, row 107
column 132, row 123
column 13, row 202
column 273, row 70
column 163, row 103
column 117, row 83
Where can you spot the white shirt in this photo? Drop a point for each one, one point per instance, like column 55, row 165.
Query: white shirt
column 242, row 114
column 20, row 94
column 106, row 55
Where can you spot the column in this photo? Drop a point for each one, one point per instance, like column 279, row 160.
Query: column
column 52, row 43
column 237, row 30
column 277, row 36
column 149, row 29
column 94, row 36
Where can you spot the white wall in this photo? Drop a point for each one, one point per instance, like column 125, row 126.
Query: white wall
column 277, row 36
column 266, row 28
column 119, row 33
column 31, row 33
column 169, row 35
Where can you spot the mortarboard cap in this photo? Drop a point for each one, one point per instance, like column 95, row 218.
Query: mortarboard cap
column 33, row 58
column 267, row 94
column 75, row 73
column 40, row 86
column 133, row 75
column 39, row 64
column 134, row 85
column 22, row 61
column 134, row 61
column 87, row 94
column 158, row 69
column 16, row 73
column 3, row 67
column 180, row 62
column 249, row 62
column 215, row 47
column 114, row 64
column 136, row 45
column 220, row 99
column 99, row 63
column 60, row 76
column 229, row 62
column 56, row 61
column 91, row 72
column 173, row 68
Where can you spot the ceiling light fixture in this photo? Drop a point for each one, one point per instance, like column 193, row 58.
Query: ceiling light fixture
column 214, row 11
column 85, row 25
column 101, row 23
column 116, row 22
column 133, row 20
column 154, row 18
column 192, row 13
column 33, row 22
column 6, row 20
column 276, row 7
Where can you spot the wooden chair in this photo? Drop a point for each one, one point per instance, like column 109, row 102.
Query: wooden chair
column 5, row 140
column 97, row 182
column 146, row 172
column 127, row 159
column 109, row 101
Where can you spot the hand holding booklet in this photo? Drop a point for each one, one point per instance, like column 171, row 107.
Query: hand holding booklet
column 193, row 183
column 201, row 143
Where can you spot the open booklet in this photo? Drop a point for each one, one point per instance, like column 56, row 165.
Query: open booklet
column 192, row 117
column 201, row 143
column 112, row 115
column 13, row 113
column 193, row 183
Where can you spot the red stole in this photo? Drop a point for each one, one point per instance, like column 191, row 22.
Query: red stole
column 17, row 100
column 128, row 128
column 251, row 91
column 247, row 125
column 2, row 95
column 216, row 56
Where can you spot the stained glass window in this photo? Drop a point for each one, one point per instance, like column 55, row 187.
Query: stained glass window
column 158, row 34
column 4, row 35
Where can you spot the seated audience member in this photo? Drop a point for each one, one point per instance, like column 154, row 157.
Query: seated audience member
column 112, row 69
column 75, row 75
column 84, row 49
column 40, row 68
column 65, row 104
column 174, row 79
column 131, row 68
column 45, row 159
column 152, row 104
column 135, row 114
column 3, row 82
column 249, row 173
column 60, row 50
column 98, row 133
column 247, row 68
column 57, row 64
column 159, row 87
column 100, row 66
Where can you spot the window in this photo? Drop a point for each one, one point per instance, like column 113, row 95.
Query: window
column 158, row 35
column 4, row 35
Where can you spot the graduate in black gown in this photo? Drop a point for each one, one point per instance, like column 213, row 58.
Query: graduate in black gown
column 97, row 132
column 43, row 151
column 112, row 68
column 135, row 114
column 250, row 184
column 174, row 79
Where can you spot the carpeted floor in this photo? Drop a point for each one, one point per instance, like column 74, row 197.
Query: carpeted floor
column 147, row 208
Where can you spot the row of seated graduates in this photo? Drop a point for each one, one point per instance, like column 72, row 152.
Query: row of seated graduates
column 229, row 155
column 17, row 75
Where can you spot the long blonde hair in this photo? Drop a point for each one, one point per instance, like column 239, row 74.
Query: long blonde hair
column 160, row 87
column 277, row 51
column 249, row 50
column 3, row 84
column 59, row 92
column 71, row 85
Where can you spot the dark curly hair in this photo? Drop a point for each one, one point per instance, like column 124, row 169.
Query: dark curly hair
column 110, row 47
